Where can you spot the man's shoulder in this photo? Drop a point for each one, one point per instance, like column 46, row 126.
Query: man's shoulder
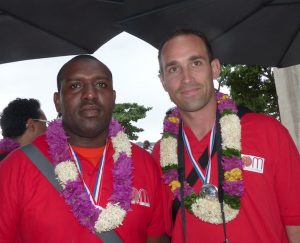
column 18, row 157
column 14, row 164
column 137, row 151
column 264, row 128
column 41, row 143
column 143, row 158
column 259, row 119
column 3, row 155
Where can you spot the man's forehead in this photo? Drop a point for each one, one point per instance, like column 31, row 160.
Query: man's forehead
column 187, row 40
column 185, row 47
column 84, row 62
column 86, row 66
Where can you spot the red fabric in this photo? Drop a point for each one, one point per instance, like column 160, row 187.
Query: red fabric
column 271, row 198
column 31, row 210
column 3, row 154
column 91, row 154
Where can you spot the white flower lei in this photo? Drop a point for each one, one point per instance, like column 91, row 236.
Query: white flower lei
column 207, row 209
column 168, row 151
column 113, row 215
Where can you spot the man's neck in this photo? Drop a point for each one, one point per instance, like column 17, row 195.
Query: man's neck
column 84, row 142
column 201, row 121
column 24, row 139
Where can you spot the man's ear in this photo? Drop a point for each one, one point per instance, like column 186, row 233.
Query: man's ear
column 216, row 68
column 57, row 102
column 29, row 124
column 114, row 95
column 114, row 98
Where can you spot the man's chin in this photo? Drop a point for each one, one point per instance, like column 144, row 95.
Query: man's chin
column 91, row 132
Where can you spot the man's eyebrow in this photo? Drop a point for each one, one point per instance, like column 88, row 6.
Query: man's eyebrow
column 191, row 58
column 103, row 77
column 72, row 78
column 196, row 57
column 171, row 63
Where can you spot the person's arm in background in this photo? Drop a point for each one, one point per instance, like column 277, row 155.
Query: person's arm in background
column 293, row 233
column 9, row 198
column 289, row 153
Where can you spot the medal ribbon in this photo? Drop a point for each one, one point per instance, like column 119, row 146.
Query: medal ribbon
column 205, row 178
column 95, row 197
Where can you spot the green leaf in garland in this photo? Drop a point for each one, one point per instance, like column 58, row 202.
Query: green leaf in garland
column 169, row 167
column 231, row 152
column 188, row 201
column 227, row 112
column 168, row 134
column 233, row 202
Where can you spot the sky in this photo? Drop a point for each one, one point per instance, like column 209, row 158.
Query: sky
column 134, row 66
column 133, row 63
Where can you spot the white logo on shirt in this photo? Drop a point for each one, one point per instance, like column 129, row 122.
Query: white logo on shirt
column 140, row 196
column 253, row 163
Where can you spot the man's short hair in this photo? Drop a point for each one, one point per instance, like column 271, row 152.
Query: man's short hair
column 180, row 32
column 14, row 117
column 60, row 74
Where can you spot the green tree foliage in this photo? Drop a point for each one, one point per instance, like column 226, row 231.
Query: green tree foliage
column 126, row 113
column 252, row 86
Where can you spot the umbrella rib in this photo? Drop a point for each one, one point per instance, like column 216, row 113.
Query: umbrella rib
column 155, row 10
column 242, row 20
column 179, row 3
column 284, row 4
column 4, row 12
column 289, row 45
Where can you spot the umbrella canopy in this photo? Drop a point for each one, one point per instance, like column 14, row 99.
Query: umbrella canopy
column 36, row 29
column 241, row 31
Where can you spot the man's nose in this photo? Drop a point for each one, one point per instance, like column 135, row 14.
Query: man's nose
column 89, row 92
column 186, row 75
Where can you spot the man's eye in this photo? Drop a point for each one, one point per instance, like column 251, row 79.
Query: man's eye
column 197, row 63
column 172, row 69
column 101, row 85
column 75, row 85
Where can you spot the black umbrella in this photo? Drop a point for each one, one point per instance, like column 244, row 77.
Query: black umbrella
column 36, row 29
column 241, row 31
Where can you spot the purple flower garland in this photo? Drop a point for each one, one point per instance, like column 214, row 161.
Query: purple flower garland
column 233, row 189
column 74, row 192
column 8, row 144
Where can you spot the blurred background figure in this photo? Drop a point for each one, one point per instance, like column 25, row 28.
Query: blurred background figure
column 21, row 122
column 147, row 146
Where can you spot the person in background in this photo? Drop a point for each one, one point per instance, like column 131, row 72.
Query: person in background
column 146, row 146
column 98, row 190
column 236, row 171
column 21, row 122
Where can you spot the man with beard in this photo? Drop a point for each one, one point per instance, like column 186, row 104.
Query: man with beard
column 230, row 176
column 83, row 181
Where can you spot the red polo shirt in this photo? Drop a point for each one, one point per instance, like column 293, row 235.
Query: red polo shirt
column 31, row 210
column 272, row 195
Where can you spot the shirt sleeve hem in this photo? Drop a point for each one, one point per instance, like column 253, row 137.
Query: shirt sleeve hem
column 291, row 220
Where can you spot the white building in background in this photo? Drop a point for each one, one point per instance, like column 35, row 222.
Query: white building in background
column 287, row 81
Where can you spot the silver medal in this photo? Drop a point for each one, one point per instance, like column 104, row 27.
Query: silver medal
column 209, row 190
